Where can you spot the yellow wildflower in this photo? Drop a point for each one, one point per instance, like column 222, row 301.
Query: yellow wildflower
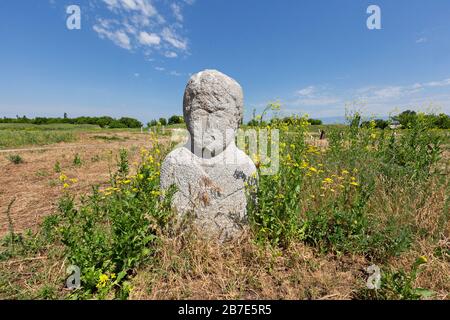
column 102, row 281
column 65, row 186
column 422, row 259
column 74, row 180
column 62, row 177
column 353, row 183
column 312, row 169
column 144, row 151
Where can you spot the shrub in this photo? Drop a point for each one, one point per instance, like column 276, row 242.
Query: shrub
column 114, row 230
column 77, row 160
column 323, row 196
column 175, row 120
column 15, row 158
column 57, row 167
column 398, row 285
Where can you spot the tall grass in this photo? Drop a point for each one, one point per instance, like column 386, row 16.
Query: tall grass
column 19, row 138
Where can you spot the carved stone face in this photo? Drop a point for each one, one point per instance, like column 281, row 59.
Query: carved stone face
column 212, row 107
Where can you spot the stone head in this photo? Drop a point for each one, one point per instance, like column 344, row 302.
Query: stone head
column 213, row 110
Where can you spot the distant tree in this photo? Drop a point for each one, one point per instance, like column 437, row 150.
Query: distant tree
column 117, row 124
column 175, row 120
column 130, row 122
column 406, row 118
column 104, row 121
column 441, row 121
column 152, row 123
column 40, row 120
column 315, row 122
column 379, row 123
column 65, row 115
column 163, row 121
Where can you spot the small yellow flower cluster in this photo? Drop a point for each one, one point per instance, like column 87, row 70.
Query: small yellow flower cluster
column 103, row 280
column 334, row 182
column 65, row 180
column 108, row 191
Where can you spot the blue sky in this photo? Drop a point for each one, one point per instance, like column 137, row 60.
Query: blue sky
column 134, row 57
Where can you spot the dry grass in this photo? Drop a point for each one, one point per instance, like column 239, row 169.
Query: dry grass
column 190, row 268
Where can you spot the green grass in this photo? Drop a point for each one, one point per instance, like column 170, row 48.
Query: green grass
column 47, row 127
column 19, row 138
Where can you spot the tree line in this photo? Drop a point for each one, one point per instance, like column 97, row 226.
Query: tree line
column 258, row 122
column 163, row 121
column 103, row 122
column 404, row 120
column 407, row 119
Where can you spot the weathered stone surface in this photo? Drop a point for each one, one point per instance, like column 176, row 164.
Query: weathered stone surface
column 209, row 171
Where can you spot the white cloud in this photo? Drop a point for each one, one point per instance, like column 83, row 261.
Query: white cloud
column 421, row 40
column 176, row 10
column 175, row 73
column 170, row 54
column 442, row 83
column 112, row 3
column 324, row 101
column 170, row 37
column 313, row 96
column 119, row 37
column 143, row 6
column 159, row 69
column 306, row 91
column 138, row 25
column 149, row 39
column 389, row 92
column 318, row 101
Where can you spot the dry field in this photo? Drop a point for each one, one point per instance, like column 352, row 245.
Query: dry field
column 35, row 185
column 185, row 267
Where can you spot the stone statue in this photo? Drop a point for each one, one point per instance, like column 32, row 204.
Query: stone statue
column 209, row 171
